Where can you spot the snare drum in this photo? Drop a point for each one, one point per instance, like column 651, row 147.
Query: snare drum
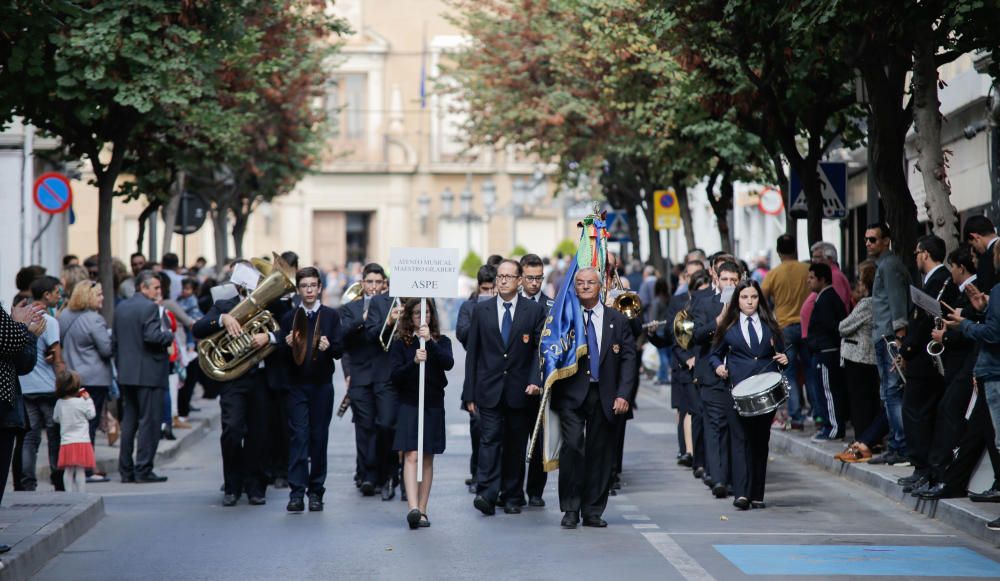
column 760, row 394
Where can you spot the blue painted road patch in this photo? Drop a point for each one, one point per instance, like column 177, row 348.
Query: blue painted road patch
column 859, row 560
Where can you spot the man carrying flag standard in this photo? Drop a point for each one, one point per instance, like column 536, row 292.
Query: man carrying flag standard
column 588, row 360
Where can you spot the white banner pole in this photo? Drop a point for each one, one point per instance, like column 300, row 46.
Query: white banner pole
column 420, row 399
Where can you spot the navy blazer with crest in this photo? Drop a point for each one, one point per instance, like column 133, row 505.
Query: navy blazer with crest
column 494, row 370
column 617, row 370
column 742, row 361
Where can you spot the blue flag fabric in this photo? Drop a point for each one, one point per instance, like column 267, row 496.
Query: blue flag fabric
column 563, row 340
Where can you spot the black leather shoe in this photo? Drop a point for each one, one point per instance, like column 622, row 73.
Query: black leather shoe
column 315, row 503
column 536, row 501
column 925, row 485
column 570, row 519
column 413, row 518
column 991, row 495
column 4, row 549
column 295, row 505
column 707, row 480
column 511, row 508
column 742, row 503
column 686, row 460
column 257, row 501
column 594, row 521
column 128, row 479
column 388, row 491
column 909, row 479
column 484, row 506
column 719, row 490
column 151, row 477
column 919, row 483
column 230, row 500
column 699, row 472
column 367, row 488
column 939, row 491
column 758, row 504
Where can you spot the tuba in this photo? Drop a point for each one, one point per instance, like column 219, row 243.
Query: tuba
column 224, row 358
column 683, row 329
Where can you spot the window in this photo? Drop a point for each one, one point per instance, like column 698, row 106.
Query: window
column 345, row 106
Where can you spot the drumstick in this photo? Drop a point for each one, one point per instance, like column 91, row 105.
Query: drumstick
column 947, row 306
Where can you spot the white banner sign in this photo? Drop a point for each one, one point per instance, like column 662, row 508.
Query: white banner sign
column 423, row 272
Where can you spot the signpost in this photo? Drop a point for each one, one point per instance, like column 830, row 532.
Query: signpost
column 53, row 194
column 191, row 213
column 424, row 273
column 833, row 182
column 666, row 211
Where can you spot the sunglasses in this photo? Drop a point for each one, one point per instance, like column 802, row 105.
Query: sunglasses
column 871, row 239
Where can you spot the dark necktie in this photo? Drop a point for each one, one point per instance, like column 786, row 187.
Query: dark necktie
column 508, row 322
column 310, row 314
column 754, row 339
column 593, row 352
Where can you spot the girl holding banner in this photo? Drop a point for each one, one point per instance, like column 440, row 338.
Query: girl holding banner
column 406, row 357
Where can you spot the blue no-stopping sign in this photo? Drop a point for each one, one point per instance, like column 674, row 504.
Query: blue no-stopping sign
column 53, row 194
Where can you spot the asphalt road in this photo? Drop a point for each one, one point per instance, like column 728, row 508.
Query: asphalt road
column 664, row 525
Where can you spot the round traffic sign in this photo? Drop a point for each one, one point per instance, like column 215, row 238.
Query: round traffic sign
column 191, row 213
column 667, row 199
column 52, row 192
column 771, row 201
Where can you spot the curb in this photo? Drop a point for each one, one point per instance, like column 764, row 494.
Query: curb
column 29, row 555
column 960, row 513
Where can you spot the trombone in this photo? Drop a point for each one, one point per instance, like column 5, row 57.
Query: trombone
column 896, row 359
column 386, row 342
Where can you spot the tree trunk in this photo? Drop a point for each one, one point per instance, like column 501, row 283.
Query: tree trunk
column 107, row 176
column 170, row 220
column 649, row 208
column 885, row 77
column 680, row 187
column 241, row 217
column 783, row 186
column 932, row 164
column 812, row 189
column 726, row 191
column 220, row 223
column 150, row 209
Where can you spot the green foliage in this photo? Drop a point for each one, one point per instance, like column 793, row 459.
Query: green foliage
column 519, row 251
column 471, row 264
column 567, row 247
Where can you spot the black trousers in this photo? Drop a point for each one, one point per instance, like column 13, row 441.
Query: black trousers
column 586, row 457
column 616, row 468
column 142, row 414
column 696, row 408
column 8, row 438
column 244, row 434
column 977, row 436
column 833, row 392
column 863, row 394
column 950, row 424
column 921, row 396
column 537, row 476
column 279, row 433
column 720, row 417
column 374, row 407
column 475, row 435
column 186, row 391
column 754, row 436
column 310, row 409
column 502, row 447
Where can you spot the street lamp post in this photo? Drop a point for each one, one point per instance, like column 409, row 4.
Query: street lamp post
column 424, row 205
column 517, row 199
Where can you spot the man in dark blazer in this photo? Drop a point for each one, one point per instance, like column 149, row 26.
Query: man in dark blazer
column 244, row 410
column 310, row 389
column 924, row 384
column 590, row 404
column 139, row 342
column 486, row 280
column 981, row 234
column 533, row 274
column 501, row 370
column 716, row 399
column 277, row 390
column 373, row 400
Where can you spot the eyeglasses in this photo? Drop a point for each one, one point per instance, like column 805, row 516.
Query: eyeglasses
column 507, row 277
column 587, row 283
column 871, row 239
column 309, row 285
column 534, row 278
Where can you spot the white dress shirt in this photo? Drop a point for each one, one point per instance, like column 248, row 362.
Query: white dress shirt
column 598, row 319
column 745, row 323
column 968, row 281
column 501, row 310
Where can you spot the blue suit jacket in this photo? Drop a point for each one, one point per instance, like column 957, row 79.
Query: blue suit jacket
column 742, row 361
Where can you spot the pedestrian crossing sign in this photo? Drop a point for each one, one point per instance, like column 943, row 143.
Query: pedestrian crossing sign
column 666, row 210
column 833, row 183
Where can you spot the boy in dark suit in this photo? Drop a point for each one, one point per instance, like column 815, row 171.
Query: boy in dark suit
column 310, row 388
column 531, row 288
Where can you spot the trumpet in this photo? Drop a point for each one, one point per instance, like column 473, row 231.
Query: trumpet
column 654, row 323
column 386, row 342
column 893, row 350
column 935, row 348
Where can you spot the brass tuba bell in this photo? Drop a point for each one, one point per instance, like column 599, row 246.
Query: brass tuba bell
column 353, row 293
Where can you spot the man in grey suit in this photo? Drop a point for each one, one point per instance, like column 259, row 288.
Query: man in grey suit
column 140, row 343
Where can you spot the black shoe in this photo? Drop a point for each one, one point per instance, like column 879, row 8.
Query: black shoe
column 413, row 518
column 469, row 481
column 924, row 486
column 315, row 503
column 230, row 500
column 281, row 482
column 257, row 501
column 367, row 488
column 484, row 506
column 892, row 458
column 128, row 479
column 991, row 495
column 939, row 491
column 472, row 488
column 151, row 477
column 536, row 501
column 699, row 472
column 742, row 503
column 424, row 522
column 719, row 490
column 994, row 525
column 4, row 549
column 295, row 505
column 707, row 480
column 909, row 479
column 758, row 504
column 168, row 435
column 570, row 519
column 594, row 521
column 388, row 491
column 919, row 483
column 511, row 508
column 686, row 460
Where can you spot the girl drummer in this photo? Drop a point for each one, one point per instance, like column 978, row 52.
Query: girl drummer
column 748, row 342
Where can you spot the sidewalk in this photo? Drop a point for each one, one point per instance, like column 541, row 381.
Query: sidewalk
column 39, row 525
column 961, row 513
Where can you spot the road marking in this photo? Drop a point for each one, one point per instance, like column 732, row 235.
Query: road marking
column 678, row 557
column 645, row 400
column 458, row 430
column 635, row 517
column 656, row 428
column 645, row 526
column 627, row 508
column 812, row 534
